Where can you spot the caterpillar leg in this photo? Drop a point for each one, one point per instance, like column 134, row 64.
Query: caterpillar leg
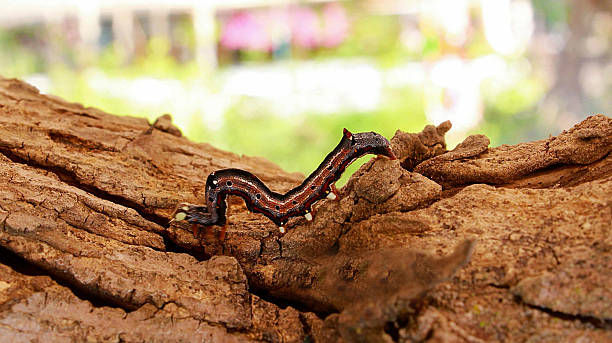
column 207, row 232
column 281, row 227
column 196, row 230
column 333, row 194
column 309, row 214
column 221, row 234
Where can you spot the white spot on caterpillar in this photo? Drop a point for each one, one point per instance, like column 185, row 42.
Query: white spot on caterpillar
column 281, row 229
column 185, row 208
column 180, row 216
column 215, row 182
column 308, row 216
column 331, row 196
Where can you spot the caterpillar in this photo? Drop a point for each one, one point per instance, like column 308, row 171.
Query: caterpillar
column 280, row 207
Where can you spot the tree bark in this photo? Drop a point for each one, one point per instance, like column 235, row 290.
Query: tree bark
column 475, row 244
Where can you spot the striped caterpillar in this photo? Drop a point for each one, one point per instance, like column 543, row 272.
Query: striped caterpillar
column 280, row 207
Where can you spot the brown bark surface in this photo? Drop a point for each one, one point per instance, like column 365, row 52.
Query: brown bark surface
column 476, row 244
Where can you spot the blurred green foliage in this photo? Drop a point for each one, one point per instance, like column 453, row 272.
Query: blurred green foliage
column 553, row 12
column 17, row 54
column 373, row 36
column 510, row 115
column 299, row 143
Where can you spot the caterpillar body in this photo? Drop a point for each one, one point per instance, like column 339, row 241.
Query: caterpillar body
column 281, row 207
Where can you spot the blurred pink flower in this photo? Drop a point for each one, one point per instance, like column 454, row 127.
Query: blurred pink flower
column 304, row 27
column 243, row 31
column 264, row 29
column 336, row 25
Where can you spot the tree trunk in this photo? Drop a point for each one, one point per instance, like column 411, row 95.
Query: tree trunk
column 87, row 252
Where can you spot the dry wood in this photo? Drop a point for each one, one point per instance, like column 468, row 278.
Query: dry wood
column 87, row 254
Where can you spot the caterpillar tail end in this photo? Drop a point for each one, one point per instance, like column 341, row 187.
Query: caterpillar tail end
column 194, row 214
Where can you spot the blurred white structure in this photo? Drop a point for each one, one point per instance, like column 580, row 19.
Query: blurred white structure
column 508, row 25
column 122, row 13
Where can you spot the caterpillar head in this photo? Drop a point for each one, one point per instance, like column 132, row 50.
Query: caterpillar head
column 370, row 142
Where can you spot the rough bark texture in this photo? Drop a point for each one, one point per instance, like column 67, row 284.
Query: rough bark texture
column 476, row 244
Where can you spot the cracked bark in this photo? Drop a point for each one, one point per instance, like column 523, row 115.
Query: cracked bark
column 85, row 198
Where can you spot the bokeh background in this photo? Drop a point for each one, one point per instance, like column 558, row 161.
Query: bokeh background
column 281, row 78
